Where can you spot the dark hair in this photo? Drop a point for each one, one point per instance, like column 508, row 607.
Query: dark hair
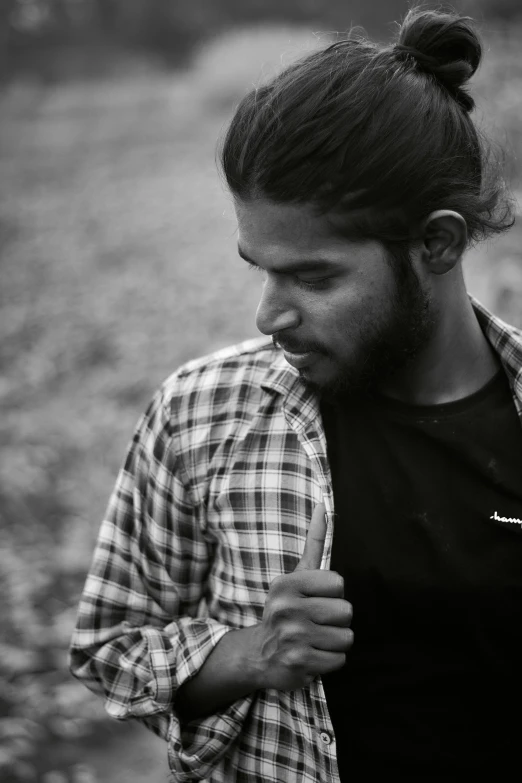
column 379, row 136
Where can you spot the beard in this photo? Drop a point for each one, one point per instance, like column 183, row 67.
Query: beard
column 386, row 345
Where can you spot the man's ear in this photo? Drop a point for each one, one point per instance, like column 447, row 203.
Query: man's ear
column 445, row 236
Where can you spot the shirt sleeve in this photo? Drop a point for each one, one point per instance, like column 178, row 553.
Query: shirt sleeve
column 138, row 635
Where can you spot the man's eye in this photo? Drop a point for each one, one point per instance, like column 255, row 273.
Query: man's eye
column 313, row 285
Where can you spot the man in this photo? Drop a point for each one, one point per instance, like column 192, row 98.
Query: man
column 310, row 565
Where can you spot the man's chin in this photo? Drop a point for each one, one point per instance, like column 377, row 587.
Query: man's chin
column 318, row 375
column 331, row 387
column 336, row 387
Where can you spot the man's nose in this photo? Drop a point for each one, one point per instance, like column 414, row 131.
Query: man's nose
column 275, row 312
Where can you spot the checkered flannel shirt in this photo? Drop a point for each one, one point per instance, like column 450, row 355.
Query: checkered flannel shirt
column 213, row 501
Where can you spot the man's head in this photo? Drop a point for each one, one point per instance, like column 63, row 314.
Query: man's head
column 351, row 152
column 348, row 314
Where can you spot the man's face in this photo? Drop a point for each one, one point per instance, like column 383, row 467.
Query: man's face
column 347, row 318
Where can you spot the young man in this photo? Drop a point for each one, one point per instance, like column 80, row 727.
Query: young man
column 310, row 565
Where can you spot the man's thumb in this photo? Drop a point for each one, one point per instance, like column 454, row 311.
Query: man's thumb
column 314, row 545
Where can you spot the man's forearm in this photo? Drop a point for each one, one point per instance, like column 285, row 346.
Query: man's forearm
column 230, row 672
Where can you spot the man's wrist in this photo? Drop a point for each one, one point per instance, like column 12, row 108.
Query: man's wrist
column 232, row 670
column 249, row 656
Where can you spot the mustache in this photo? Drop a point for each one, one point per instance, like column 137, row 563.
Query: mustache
column 291, row 347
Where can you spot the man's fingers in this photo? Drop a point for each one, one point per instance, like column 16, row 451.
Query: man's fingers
column 314, row 545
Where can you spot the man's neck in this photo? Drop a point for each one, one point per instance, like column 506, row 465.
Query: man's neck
column 458, row 361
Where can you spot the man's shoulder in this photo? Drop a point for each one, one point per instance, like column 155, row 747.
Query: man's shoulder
column 243, row 364
column 209, row 399
column 257, row 351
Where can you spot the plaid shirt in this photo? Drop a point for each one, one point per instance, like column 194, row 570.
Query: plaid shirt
column 213, row 501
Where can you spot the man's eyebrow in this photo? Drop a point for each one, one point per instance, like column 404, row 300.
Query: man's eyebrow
column 309, row 264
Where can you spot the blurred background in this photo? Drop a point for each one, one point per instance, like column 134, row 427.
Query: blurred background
column 117, row 263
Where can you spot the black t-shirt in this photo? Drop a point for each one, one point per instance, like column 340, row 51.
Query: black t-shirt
column 432, row 686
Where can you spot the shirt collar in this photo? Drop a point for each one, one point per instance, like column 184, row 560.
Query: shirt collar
column 301, row 406
column 506, row 340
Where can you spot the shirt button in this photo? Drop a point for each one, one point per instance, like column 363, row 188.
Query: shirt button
column 325, row 737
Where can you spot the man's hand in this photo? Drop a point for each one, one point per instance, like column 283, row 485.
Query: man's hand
column 305, row 630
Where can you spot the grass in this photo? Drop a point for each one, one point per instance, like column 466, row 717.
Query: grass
column 118, row 262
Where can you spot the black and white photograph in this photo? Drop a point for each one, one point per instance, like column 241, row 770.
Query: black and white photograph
column 260, row 391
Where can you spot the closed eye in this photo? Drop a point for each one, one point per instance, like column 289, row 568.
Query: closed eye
column 311, row 285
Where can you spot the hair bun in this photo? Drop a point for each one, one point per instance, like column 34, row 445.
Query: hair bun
column 445, row 45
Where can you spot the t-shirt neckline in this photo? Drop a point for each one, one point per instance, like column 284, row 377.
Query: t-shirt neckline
column 495, row 386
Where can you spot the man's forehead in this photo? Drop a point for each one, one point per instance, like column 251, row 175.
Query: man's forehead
column 292, row 229
column 299, row 225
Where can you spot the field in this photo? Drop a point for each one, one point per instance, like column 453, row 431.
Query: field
column 118, row 262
